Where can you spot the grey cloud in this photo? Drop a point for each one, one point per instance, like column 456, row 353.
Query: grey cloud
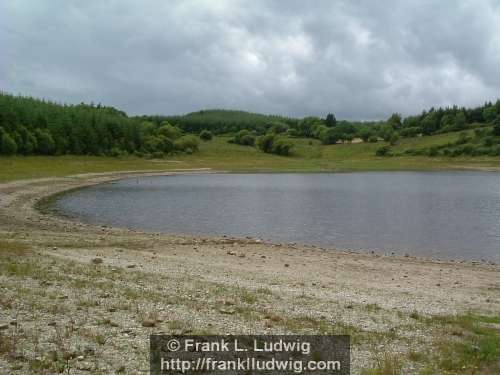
column 362, row 60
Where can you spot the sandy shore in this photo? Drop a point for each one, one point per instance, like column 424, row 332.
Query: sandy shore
column 87, row 297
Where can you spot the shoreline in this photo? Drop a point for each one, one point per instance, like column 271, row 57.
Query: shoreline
column 124, row 284
column 43, row 204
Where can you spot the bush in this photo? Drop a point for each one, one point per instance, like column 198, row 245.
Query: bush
column 279, row 127
column 244, row 138
column 169, row 131
column 394, row 138
column 186, row 142
column 410, row 132
column 272, row 144
column 383, row 151
column 206, row 135
column 329, row 136
column 462, row 138
column 489, row 141
column 282, row 146
column 373, row 139
column 433, row 151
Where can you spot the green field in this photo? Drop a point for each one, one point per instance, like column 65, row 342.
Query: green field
column 308, row 156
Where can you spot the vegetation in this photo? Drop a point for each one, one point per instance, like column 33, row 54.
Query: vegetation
column 35, row 127
column 206, row 135
column 307, row 156
column 244, row 138
column 273, row 144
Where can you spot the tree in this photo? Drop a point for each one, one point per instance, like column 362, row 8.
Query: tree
column 430, row 123
column 330, row 120
column 45, row 142
column 206, row 135
column 365, row 133
column 447, row 121
column 489, row 113
column 395, row 121
column 307, row 126
column 496, row 126
column 330, row 136
column 459, row 121
column 8, row 145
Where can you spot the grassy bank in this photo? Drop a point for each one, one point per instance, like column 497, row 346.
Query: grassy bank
column 308, row 156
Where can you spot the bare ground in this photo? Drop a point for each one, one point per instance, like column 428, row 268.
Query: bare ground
column 76, row 297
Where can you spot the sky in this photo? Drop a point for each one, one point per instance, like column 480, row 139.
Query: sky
column 361, row 60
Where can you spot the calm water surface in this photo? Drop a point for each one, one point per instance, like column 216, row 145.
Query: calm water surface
column 439, row 214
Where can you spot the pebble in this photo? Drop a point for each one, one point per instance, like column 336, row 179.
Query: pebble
column 228, row 311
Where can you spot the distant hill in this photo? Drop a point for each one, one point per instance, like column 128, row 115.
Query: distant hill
column 222, row 121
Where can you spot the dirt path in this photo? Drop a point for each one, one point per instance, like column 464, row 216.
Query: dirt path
column 85, row 292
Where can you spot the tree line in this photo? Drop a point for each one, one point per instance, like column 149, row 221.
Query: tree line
column 32, row 126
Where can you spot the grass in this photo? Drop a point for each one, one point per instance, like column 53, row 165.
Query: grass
column 308, row 156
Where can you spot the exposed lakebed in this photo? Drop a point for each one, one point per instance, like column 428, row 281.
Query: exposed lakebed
column 448, row 215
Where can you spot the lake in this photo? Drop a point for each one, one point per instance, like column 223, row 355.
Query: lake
column 446, row 215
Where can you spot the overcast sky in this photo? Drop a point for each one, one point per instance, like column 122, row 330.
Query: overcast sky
column 359, row 59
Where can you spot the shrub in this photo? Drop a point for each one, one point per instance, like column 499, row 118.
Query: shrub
column 186, row 142
column 373, row 139
column 410, row 132
column 462, row 138
column 282, row 146
column 279, row 127
column 383, row 151
column 433, row 151
column 169, row 131
column 488, row 141
column 329, row 136
column 394, row 138
column 272, row 144
column 244, row 138
column 206, row 135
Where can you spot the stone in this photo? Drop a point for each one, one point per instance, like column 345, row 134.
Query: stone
column 97, row 260
column 148, row 323
column 227, row 311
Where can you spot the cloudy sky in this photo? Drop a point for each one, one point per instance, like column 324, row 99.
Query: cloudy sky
column 359, row 59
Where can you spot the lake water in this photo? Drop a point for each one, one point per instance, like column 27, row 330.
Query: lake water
column 447, row 215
